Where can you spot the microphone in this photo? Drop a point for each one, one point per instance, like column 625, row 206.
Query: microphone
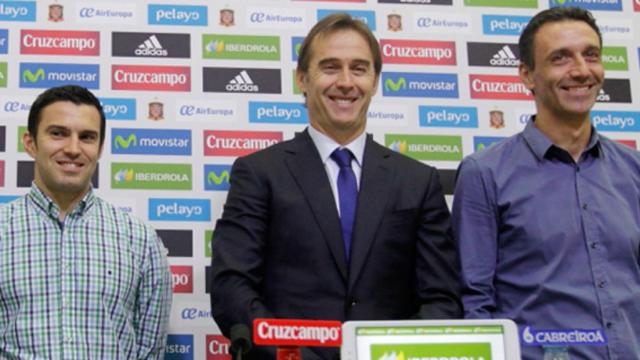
column 240, row 340
column 290, row 334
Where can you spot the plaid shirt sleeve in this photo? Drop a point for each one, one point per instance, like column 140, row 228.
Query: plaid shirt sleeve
column 154, row 300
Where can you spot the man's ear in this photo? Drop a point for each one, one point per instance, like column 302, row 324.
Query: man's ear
column 301, row 81
column 29, row 143
column 526, row 76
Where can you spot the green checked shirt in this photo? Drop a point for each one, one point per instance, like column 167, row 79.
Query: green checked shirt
column 97, row 286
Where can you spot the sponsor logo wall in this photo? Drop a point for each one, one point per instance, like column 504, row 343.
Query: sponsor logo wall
column 188, row 86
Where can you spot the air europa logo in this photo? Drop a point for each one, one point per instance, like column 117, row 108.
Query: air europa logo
column 238, row 143
column 504, row 24
column 426, row 147
column 151, row 141
column 418, row 52
column 241, row 47
column 106, row 13
column 151, row 176
column 504, row 87
column 420, row 85
column 216, row 177
column 146, row 77
column 48, row 42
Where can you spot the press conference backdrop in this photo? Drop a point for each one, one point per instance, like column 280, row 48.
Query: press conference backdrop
column 188, row 86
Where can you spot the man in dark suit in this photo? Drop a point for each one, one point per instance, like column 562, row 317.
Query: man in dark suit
column 303, row 235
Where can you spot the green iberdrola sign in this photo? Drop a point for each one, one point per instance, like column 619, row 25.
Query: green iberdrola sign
column 151, row 176
column 21, row 131
column 240, row 47
column 615, row 58
column 453, row 351
column 426, row 147
column 208, row 236
column 3, row 74
column 531, row 4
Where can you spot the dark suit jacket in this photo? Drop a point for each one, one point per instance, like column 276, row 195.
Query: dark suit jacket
column 278, row 249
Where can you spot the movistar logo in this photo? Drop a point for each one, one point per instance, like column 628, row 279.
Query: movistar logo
column 214, row 179
column 399, row 146
column 28, row 76
column 560, row 2
column 124, row 175
column 390, row 85
column 124, row 144
column 297, row 48
column 392, row 356
column 215, row 46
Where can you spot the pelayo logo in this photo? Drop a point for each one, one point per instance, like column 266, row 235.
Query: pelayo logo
column 179, row 209
column 119, row 108
column 151, row 141
column 426, row 147
column 448, row 116
column 602, row 5
column 18, row 11
column 240, row 47
column 615, row 58
column 623, row 121
column 277, row 113
column 216, row 177
column 151, row 176
column 45, row 75
column 366, row 16
column 504, row 24
column 430, row 85
column 184, row 15
column 530, row 4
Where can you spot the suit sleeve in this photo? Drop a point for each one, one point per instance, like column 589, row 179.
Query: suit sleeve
column 437, row 262
column 238, row 243
column 475, row 220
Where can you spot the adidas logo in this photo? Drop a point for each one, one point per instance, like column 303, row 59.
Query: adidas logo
column 504, row 57
column 603, row 96
column 242, row 82
column 151, row 47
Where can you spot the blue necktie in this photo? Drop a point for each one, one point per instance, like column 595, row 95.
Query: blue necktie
column 347, row 195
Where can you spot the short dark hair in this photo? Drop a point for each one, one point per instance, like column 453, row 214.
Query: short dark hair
column 73, row 93
column 333, row 23
column 555, row 14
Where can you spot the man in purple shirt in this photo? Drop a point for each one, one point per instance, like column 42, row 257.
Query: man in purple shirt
column 547, row 221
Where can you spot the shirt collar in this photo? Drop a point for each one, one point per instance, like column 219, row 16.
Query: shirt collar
column 52, row 209
column 541, row 145
column 327, row 145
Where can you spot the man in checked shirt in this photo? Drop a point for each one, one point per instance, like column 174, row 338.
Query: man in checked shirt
column 79, row 279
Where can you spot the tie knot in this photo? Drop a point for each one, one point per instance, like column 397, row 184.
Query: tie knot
column 342, row 157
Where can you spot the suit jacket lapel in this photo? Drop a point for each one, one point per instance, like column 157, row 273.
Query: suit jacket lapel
column 306, row 167
column 375, row 180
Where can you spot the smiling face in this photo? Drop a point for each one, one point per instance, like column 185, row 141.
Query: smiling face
column 568, row 71
column 66, row 149
column 339, row 84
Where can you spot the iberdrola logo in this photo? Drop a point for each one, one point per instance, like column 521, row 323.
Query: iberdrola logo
column 124, row 175
column 215, row 46
column 399, row 146
column 392, row 356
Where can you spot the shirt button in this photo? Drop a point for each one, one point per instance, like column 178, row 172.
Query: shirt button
column 594, row 245
column 353, row 303
column 602, row 284
column 585, row 206
column 609, row 324
column 577, row 168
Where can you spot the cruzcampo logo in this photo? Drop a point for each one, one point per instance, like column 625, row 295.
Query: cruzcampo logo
column 426, row 147
column 32, row 77
column 122, row 143
column 208, row 236
column 615, row 58
column 531, row 4
column 399, row 84
column 151, row 176
column 3, row 74
column 241, row 47
column 454, row 351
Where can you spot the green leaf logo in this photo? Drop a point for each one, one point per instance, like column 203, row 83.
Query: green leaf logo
column 395, row 86
column 28, row 76
column 213, row 178
column 122, row 143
